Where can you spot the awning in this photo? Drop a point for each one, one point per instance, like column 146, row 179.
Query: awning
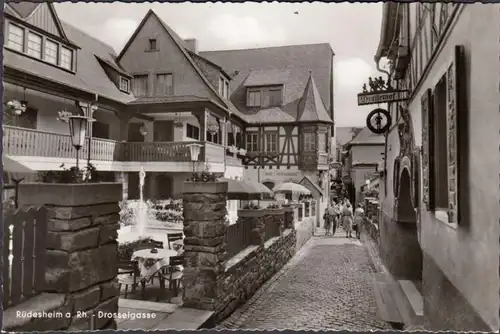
column 241, row 190
column 12, row 166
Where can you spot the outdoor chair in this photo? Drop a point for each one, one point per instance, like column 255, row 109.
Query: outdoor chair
column 173, row 237
column 173, row 275
column 129, row 275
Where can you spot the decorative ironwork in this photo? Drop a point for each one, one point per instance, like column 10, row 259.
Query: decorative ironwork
column 377, row 85
column 213, row 128
column 379, row 121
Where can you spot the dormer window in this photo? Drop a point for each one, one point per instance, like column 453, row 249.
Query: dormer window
column 152, row 44
column 16, row 38
column 66, row 58
column 34, row 45
column 265, row 96
column 224, row 87
column 124, row 85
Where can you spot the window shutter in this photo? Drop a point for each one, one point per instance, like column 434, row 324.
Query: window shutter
column 456, row 114
column 427, row 149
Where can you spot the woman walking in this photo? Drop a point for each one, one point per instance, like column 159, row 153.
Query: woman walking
column 347, row 220
column 327, row 219
column 359, row 215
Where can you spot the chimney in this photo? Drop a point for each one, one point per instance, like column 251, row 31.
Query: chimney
column 191, row 45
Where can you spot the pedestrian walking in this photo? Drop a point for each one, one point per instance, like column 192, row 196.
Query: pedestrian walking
column 359, row 215
column 332, row 216
column 347, row 220
column 326, row 218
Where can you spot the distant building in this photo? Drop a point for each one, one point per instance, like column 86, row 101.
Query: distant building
column 360, row 161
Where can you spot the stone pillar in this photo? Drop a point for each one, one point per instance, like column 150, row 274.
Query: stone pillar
column 204, row 244
column 289, row 217
column 81, row 257
column 257, row 221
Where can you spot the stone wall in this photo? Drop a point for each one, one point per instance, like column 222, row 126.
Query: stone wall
column 81, row 258
column 211, row 280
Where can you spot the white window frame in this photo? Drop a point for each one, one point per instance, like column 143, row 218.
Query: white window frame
column 12, row 44
column 272, row 142
column 31, row 51
column 252, row 141
column 125, row 84
column 62, row 61
column 47, row 56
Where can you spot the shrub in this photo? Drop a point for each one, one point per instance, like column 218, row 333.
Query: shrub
column 126, row 250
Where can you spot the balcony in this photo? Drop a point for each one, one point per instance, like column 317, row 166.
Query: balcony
column 36, row 143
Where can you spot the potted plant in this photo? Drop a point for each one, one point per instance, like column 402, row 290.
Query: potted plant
column 274, row 209
column 251, row 210
column 205, row 182
column 242, row 151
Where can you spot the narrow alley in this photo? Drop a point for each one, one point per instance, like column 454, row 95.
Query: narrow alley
column 326, row 286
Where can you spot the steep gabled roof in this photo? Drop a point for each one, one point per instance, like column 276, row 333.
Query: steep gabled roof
column 297, row 60
column 182, row 47
column 306, row 179
column 269, row 115
column 311, row 107
column 366, row 137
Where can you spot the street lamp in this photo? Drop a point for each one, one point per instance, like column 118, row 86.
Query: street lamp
column 194, row 150
column 77, row 129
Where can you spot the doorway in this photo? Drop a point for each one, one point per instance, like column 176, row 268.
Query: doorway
column 163, row 131
column 407, row 220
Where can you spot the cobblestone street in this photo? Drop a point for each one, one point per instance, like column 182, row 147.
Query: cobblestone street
column 326, row 286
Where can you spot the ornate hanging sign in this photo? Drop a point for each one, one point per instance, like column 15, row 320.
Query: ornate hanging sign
column 380, row 92
column 379, row 121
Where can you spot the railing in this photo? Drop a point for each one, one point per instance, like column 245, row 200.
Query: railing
column 238, row 236
column 24, row 238
column 271, row 228
column 29, row 142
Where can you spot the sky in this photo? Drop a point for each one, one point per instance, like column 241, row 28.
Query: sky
column 353, row 31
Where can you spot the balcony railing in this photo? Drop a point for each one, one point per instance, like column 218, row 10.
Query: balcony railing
column 29, row 142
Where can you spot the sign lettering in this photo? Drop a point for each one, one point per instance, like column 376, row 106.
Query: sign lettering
column 382, row 97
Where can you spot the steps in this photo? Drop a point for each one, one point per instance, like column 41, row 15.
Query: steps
column 398, row 302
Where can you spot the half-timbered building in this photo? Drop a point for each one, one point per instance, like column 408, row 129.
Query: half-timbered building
column 439, row 223
column 264, row 114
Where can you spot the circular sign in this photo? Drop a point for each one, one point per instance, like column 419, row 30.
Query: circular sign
column 378, row 121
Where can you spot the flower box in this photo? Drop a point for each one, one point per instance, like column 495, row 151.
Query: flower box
column 274, row 212
column 248, row 213
column 69, row 194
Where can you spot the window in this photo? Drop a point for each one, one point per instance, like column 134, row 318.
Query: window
column 140, row 85
column 221, row 86
column 51, row 51
column 322, row 143
column 252, row 142
column 253, row 99
column 124, row 84
column 34, row 45
column 273, row 97
column 164, row 84
column 226, row 89
column 16, row 38
column 440, row 146
column 152, row 44
column 309, row 142
column 66, row 58
column 192, row 131
column 271, row 142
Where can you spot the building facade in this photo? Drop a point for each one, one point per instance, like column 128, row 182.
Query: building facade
column 261, row 114
column 360, row 161
column 439, row 225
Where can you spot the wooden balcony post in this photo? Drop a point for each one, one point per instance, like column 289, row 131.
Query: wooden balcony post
column 201, row 116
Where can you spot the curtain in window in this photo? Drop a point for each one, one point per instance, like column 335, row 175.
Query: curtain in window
column 140, row 85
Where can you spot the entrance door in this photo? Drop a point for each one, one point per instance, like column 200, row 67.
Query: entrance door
column 163, row 131
column 164, row 186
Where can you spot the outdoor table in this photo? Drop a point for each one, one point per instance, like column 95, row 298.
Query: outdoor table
column 147, row 260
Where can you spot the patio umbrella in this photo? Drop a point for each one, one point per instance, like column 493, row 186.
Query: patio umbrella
column 12, row 166
column 290, row 187
column 241, row 190
column 262, row 189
